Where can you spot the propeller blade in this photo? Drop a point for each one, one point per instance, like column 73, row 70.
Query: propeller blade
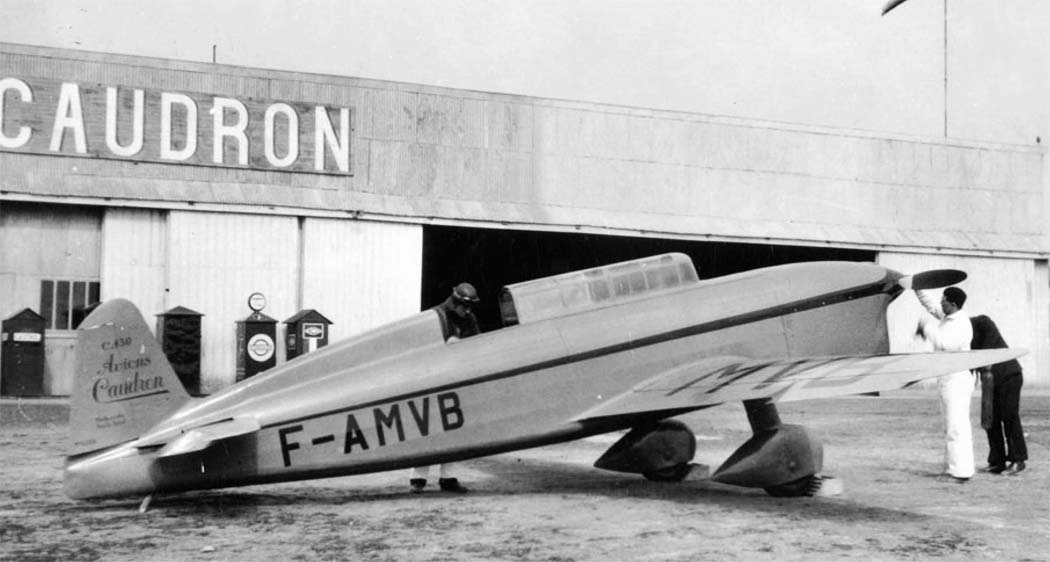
column 933, row 279
column 891, row 5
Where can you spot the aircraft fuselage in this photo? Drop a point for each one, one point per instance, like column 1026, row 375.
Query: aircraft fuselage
column 400, row 396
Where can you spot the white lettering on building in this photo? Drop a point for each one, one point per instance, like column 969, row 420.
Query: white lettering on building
column 167, row 150
column 269, row 135
column 151, row 125
column 24, row 131
column 69, row 115
column 222, row 130
column 325, row 136
column 138, row 120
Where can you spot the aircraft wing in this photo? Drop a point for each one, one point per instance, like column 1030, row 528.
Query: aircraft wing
column 715, row 380
column 198, row 438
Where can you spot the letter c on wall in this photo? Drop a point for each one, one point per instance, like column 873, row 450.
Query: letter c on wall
column 27, row 96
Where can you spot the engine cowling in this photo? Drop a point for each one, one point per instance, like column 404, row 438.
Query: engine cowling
column 772, row 458
column 660, row 451
column 783, row 459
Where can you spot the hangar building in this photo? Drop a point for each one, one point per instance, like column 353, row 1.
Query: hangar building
column 187, row 184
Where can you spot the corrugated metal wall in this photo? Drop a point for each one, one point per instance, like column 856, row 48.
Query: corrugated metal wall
column 1010, row 291
column 422, row 152
column 47, row 242
column 216, row 260
column 135, row 257
column 361, row 274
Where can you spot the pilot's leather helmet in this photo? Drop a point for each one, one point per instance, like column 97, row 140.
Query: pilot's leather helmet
column 464, row 293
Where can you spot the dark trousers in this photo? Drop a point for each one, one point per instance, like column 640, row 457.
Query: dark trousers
column 1005, row 436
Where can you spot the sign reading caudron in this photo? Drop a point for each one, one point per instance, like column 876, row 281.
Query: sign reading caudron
column 45, row 116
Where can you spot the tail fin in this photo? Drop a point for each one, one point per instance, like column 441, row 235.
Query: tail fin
column 123, row 383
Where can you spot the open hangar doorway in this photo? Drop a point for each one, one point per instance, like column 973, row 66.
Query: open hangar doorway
column 492, row 258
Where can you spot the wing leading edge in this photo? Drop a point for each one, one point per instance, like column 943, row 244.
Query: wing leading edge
column 715, row 380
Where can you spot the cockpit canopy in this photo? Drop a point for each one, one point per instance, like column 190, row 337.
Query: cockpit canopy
column 588, row 289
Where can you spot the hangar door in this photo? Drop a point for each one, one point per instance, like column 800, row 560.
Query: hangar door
column 49, row 262
column 491, row 258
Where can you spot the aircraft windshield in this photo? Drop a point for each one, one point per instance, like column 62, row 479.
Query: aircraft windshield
column 591, row 288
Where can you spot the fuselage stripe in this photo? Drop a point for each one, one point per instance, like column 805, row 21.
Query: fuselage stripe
column 688, row 331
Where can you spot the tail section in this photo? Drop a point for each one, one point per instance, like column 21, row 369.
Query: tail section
column 123, row 383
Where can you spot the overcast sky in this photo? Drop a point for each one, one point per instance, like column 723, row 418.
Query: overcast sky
column 822, row 62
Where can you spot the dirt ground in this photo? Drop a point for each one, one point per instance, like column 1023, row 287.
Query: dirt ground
column 549, row 504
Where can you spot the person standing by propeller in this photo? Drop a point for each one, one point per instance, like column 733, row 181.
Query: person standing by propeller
column 952, row 332
column 1005, row 381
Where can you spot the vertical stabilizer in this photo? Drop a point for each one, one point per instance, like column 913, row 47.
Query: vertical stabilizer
column 123, row 383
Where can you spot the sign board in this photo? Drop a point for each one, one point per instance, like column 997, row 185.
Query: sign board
column 261, row 348
column 123, row 122
column 313, row 330
column 257, row 302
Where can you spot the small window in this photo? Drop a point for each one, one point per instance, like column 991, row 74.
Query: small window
column 507, row 309
column 670, row 276
column 546, row 300
column 637, row 281
column 662, row 276
column 47, row 302
column 60, row 299
column 599, row 290
column 629, row 284
column 574, row 296
column 688, row 273
column 63, row 317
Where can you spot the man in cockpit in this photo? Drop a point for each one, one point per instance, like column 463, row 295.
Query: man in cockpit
column 457, row 322
column 457, row 312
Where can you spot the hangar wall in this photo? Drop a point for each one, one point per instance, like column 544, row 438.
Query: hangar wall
column 135, row 258
column 59, row 247
column 211, row 262
column 421, row 153
column 341, row 225
column 377, row 273
column 1012, row 292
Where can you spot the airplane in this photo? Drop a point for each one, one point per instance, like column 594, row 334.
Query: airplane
column 623, row 347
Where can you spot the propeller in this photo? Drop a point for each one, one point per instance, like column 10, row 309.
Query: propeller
column 933, row 279
column 891, row 5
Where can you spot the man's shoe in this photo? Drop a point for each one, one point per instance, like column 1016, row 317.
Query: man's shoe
column 996, row 469
column 451, row 485
column 1017, row 467
column 417, row 485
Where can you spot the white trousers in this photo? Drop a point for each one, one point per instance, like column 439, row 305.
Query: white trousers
column 447, row 470
column 955, row 390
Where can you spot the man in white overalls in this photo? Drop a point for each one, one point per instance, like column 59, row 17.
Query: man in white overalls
column 952, row 332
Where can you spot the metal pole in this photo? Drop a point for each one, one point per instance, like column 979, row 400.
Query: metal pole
column 946, row 68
